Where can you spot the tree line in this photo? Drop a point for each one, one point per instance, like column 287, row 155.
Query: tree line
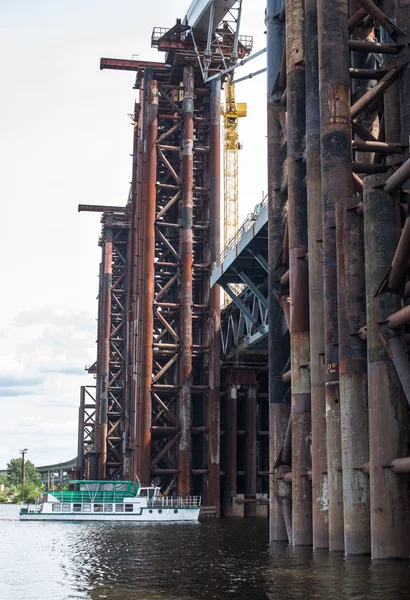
column 12, row 489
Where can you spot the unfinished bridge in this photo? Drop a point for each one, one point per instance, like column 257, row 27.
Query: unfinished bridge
column 292, row 400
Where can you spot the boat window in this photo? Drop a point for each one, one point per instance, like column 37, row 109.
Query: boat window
column 66, row 507
column 143, row 493
column 129, row 507
column 86, row 508
column 119, row 508
column 56, row 507
column 107, row 507
column 121, row 487
column 98, row 508
column 151, row 492
column 89, row 487
column 76, row 507
column 108, row 487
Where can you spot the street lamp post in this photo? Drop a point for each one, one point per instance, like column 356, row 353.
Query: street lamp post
column 23, row 453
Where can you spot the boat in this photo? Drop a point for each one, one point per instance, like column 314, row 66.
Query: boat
column 111, row 501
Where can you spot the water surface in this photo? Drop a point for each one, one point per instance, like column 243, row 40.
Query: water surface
column 226, row 559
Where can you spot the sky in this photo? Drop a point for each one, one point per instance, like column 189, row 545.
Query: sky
column 65, row 139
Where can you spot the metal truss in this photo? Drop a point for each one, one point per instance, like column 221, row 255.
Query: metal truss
column 168, row 424
column 86, row 427
column 111, row 366
column 245, row 321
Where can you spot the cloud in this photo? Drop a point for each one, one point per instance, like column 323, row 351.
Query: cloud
column 15, row 392
column 11, row 381
column 63, row 370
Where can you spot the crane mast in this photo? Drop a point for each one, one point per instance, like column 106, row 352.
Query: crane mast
column 232, row 113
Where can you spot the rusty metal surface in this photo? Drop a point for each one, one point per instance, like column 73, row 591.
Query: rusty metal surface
column 278, row 410
column 105, row 354
column 298, row 271
column 401, row 465
column 399, row 177
column 186, row 254
column 400, row 358
column 334, row 85
column 130, row 65
column 399, row 318
column 250, row 450
column 320, row 535
column 401, row 259
column 148, row 284
column 353, row 377
column 231, row 467
column 388, row 435
column 213, row 417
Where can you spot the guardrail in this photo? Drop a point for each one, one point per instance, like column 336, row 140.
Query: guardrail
column 168, row 501
column 247, row 224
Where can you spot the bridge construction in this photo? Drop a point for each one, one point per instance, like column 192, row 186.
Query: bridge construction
column 292, row 401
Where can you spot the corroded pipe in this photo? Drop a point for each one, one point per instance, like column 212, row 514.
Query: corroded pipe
column 148, row 284
column 401, row 259
column 278, row 410
column 186, row 254
column 316, row 302
column 298, row 270
column 213, row 409
column 389, row 499
column 336, row 148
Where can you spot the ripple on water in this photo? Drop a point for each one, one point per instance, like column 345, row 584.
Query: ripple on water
column 227, row 559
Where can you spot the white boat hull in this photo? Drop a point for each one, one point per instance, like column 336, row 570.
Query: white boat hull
column 166, row 515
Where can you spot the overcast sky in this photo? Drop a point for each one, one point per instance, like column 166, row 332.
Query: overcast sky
column 65, row 139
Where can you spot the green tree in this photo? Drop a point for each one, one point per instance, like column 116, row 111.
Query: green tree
column 31, row 475
column 27, row 492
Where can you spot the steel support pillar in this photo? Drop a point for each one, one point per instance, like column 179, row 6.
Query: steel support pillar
column 80, row 446
column 320, row 530
column 278, row 409
column 231, row 462
column 148, row 284
column 352, row 350
column 298, row 275
column 105, row 355
column 336, row 143
column 250, row 450
column 213, row 408
column 388, row 411
column 186, row 254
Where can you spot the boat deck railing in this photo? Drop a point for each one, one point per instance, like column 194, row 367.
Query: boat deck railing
column 118, row 498
column 90, row 496
column 170, row 502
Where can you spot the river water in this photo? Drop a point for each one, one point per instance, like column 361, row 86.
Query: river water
column 226, row 559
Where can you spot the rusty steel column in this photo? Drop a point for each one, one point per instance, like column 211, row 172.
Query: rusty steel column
column 298, row 275
column 213, row 416
column 231, row 436
column 353, row 377
column 80, row 442
column 278, row 410
column 336, row 143
column 148, row 284
column 403, row 21
column 320, row 533
column 388, row 410
column 105, row 354
column 250, row 450
column 352, row 350
column 186, row 253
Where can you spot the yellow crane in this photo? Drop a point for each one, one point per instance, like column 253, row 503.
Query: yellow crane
column 232, row 113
